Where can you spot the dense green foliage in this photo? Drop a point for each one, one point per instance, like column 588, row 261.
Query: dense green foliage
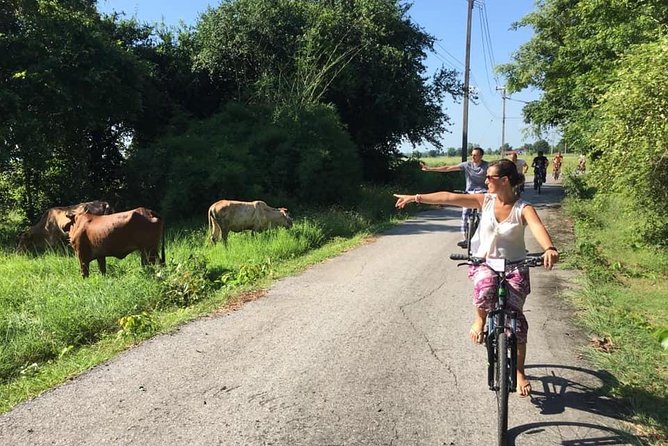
column 633, row 137
column 364, row 57
column 260, row 99
column 67, row 91
column 245, row 152
column 622, row 302
column 602, row 68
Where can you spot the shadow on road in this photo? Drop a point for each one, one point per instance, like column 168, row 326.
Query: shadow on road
column 568, row 434
column 568, row 387
column 577, row 388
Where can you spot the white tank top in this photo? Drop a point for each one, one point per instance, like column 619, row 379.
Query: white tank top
column 500, row 239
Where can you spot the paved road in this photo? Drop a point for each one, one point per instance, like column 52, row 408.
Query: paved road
column 368, row 348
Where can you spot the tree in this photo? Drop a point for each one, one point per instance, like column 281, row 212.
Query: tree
column 633, row 137
column 68, row 91
column 572, row 58
column 364, row 57
column 541, row 146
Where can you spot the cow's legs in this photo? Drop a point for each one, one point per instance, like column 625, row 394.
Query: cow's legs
column 214, row 228
column 149, row 257
column 84, row 268
column 102, row 263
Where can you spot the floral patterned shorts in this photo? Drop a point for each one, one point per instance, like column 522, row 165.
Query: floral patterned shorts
column 519, row 286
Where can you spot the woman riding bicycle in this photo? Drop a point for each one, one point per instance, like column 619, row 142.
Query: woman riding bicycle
column 500, row 234
column 556, row 165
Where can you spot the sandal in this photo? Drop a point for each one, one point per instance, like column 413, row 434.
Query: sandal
column 524, row 390
column 476, row 335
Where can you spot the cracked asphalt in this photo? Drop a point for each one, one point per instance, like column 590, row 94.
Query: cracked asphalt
column 368, row 348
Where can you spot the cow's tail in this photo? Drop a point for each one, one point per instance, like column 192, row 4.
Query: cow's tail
column 162, row 251
column 164, row 229
column 214, row 228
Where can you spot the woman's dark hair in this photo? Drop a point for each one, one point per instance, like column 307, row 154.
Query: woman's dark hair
column 506, row 168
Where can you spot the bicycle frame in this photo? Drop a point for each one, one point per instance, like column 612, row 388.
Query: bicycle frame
column 472, row 221
column 501, row 320
column 539, row 175
column 501, row 339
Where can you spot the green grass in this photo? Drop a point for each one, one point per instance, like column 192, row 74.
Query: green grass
column 624, row 303
column 55, row 325
column 570, row 160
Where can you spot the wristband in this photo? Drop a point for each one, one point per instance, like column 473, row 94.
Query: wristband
column 552, row 248
column 417, row 198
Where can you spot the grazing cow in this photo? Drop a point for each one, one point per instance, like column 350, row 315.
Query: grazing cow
column 237, row 216
column 95, row 237
column 52, row 229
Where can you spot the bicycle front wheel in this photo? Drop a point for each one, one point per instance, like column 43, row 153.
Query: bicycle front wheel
column 502, row 381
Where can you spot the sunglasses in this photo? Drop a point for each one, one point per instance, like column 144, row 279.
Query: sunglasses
column 494, row 176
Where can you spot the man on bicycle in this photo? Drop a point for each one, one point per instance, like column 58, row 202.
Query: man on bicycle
column 539, row 165
column 522, row 167
column 474, row 172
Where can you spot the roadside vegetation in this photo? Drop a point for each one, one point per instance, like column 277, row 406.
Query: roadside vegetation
column 304, row 105
column 56, row 325
column 622, row 302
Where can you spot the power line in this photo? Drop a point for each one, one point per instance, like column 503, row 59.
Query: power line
column 450, row 54
column 519, row 100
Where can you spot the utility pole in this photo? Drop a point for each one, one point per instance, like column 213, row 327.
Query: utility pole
column 467, row 69
column 503, row 122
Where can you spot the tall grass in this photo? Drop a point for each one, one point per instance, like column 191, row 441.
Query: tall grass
column 49, row 315
column 623, row 302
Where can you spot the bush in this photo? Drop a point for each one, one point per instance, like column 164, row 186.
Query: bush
column 632, row 136
column 250, row 153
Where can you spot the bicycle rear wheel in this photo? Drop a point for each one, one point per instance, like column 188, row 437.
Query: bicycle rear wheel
column 502, row 381
column 471, row 227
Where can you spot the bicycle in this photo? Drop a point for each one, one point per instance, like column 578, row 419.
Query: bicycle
column 538, row 179
column 470, row 226
column 471, row 222
column 556, row 171
column 500, row 336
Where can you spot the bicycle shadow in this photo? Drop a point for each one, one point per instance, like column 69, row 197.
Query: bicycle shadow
column 579, row 389
column 560, row 392
column 555, row 432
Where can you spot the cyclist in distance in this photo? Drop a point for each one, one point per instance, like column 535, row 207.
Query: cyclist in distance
column 582, row 163
column 474, row 172
column 500, row 235
column 556, row 165
column 539, row 165
column 522, row 167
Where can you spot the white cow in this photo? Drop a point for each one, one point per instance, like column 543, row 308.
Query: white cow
column 227, row 216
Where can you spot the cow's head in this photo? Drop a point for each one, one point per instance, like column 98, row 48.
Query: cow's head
column 23, row 240
column 287, row 220
column 72, row 218
column 97, row 207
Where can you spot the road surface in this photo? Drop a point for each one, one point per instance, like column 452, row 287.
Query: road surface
column 368, row 348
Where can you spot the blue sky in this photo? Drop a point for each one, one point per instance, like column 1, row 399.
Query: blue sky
column 445, row 20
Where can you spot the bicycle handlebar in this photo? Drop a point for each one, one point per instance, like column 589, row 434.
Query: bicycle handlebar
column 532, row 259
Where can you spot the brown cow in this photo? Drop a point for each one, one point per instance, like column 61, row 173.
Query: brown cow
column 52, row 229
column 237, row 216
column 95, row 237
